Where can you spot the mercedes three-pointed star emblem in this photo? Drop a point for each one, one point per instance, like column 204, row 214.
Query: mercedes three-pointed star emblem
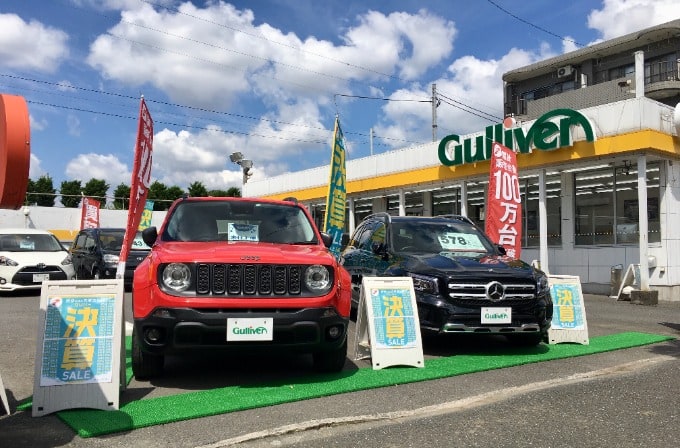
column 495, row 291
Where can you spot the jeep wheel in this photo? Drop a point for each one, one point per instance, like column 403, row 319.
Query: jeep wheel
column 525, row 340
column 332, row 361
column 145, row 365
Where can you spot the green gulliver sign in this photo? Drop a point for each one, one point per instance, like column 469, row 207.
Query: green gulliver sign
column 550, row 131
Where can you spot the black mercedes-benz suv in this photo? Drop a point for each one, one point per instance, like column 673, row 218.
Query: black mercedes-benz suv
column 463, row 282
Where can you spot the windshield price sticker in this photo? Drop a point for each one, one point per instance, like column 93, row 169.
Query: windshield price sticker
column 460, row 241
column 242, row 232
column 250, row 329
column 496, row 315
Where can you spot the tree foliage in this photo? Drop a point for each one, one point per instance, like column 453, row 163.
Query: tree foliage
column 97, row 189
column 197, row 189
column 121, row 197
column 70, row 193
column 41, row 192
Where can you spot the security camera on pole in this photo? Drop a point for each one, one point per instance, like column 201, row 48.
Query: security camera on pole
column 245, row 164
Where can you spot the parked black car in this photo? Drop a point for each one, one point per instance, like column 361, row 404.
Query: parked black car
column 463, row 282
column 95, row 253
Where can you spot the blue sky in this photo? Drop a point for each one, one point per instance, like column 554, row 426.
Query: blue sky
column 267, row 77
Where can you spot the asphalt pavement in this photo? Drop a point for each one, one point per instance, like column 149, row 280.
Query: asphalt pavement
column 623, row 398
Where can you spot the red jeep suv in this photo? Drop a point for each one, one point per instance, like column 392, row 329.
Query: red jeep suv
column 230, row 274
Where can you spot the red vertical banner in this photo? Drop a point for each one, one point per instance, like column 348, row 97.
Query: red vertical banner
column 504, row 203
column 90, row 213
column 140, row 182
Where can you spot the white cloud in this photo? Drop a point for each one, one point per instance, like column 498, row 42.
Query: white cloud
column 473, row 90
column 620, row 17
column 35, row 170
column 37, row 125
column 194, row 62
column 31, row 45
column 73, row 125
column 98, row 166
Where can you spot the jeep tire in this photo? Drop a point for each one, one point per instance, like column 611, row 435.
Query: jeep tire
column 331, row 361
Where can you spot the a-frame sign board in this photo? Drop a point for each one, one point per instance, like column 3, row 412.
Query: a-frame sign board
column 79, row 354
column 569, row 322
column 388, row 329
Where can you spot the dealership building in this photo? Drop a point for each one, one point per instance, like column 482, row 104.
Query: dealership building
column 596, row 137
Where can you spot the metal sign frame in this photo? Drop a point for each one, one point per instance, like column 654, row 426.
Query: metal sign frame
column 79, row 360
column 388, row 328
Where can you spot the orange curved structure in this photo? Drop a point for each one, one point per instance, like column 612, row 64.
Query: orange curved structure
column 15, row 150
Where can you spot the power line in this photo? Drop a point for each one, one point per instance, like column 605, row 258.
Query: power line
column 533, row 24
column 461, row 105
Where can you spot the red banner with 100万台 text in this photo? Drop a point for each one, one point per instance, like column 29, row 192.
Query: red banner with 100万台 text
column 504, row 203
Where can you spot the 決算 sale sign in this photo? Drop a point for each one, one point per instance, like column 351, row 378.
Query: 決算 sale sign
column 504, row 214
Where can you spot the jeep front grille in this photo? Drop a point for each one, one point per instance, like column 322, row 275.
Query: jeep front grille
column 248, row 279
column 475, row 293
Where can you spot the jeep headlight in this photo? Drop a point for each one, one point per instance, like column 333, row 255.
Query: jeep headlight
column 424, row 283
column 176, row 276
column 317, row 279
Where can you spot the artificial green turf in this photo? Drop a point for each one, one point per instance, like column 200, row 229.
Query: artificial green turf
column 167, row 409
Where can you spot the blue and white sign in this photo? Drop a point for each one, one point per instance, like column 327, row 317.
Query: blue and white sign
column 78, row 340
column 388, row 328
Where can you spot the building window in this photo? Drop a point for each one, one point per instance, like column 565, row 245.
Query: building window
column 413, row 204
column 530, row 216
column 624, row 71
column 362, row 208
column 476, row 201
column 446, row 201
column 664, row 68
column 606, row 205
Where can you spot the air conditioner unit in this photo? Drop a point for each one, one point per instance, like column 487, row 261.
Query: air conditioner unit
column 564, row 71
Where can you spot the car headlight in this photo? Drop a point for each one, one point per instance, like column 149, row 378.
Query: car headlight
column 424, row 283
column 317, row 278
column 176, row 276
column 4, row 261
column 110, row 258
column 67, row 261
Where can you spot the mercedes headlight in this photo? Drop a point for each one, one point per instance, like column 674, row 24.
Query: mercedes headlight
column 424, row 283
column 318, row 279
column 176, row 276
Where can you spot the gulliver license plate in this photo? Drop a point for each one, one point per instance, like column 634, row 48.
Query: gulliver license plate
column 250, row 329
column 496, row 315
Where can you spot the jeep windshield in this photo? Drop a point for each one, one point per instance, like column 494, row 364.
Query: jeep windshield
column 449, row 239
column 243, row 221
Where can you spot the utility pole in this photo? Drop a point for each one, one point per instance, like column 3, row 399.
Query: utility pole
column 435, row 103
column 370, row 139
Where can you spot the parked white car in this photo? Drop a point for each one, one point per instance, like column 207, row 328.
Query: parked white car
column 30, row 256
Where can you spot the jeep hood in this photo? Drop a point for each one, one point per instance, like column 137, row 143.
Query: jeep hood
column 243, row 252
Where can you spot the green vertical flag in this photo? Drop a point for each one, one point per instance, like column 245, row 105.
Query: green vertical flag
column 334, row 224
